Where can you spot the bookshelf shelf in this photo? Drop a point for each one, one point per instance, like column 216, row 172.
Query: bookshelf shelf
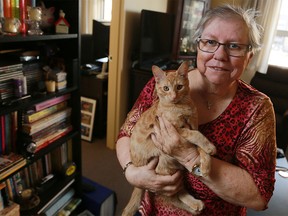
column 25, row 38
column 57, row 138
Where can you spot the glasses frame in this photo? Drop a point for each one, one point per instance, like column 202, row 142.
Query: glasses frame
column 248, row 47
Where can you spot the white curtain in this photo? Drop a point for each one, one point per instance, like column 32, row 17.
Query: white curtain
column 268, row 19
column 91, row 9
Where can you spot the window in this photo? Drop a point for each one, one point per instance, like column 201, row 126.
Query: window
column 279, row 52
column 102, row 10
column 107, row 10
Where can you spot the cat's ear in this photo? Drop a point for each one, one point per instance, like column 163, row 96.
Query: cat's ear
column 183, row 69
column 158, row 73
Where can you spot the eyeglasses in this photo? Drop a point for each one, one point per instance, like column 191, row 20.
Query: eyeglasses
column 232, row 49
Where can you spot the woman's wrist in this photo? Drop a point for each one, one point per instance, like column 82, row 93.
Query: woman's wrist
column 126, row 166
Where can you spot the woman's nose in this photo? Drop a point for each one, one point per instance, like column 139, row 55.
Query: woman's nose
column 221, row 53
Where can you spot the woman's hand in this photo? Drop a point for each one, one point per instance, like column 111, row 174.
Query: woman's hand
column 168, row 140
column 145, row 177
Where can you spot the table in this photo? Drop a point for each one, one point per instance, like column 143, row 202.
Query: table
column 278, row 205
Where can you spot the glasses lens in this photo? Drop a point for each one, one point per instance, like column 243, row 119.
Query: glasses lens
column 232, row 49
column 209, row 46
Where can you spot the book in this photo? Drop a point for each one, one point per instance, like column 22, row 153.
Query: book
column 7, row 8
column 3, row 138
column 46, row 122
column 37, row 146
column 60, row 202
column 31, row 117
column 51, row 102
column 70, row 207
column 7, row 161
column 12, row 169
column 49, row 130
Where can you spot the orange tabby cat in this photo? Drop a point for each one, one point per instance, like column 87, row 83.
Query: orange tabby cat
column 176, row 105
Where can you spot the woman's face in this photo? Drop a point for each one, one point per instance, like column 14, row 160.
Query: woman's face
column 219, row 67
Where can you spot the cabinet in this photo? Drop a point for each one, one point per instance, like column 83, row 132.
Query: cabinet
column 188, row 16
column 138, row 79
column 59, row 158
column 95, row 88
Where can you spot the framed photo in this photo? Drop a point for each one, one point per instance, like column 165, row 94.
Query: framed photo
column 88, row 109
column 188, row 17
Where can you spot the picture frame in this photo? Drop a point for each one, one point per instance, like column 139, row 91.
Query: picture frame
column 88, row 109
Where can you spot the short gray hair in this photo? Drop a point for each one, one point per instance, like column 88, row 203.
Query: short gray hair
column 227, row 11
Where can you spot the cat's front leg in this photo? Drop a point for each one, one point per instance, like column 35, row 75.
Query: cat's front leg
column 197, row 138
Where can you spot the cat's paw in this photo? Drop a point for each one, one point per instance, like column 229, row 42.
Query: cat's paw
column 211, row 150
column 197, row 207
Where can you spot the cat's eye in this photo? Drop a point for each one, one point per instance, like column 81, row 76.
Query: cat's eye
column 166, row 88
column 179, row 87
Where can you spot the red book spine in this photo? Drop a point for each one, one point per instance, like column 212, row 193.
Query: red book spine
column 3, row 134
column 23, row 15
column 7, row 8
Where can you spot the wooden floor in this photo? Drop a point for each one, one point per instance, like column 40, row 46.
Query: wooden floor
column 100, row 164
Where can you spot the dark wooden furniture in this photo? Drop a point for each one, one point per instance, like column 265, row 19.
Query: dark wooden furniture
column 67, row 48
column 138, row 79
column 95, row 88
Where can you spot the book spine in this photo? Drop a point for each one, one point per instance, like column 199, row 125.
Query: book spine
column 8, row 133
column 1, row 9
column 3, row 138
column 22, row 16
column 30, row 118
column 46, row 122
column 14, row 128
column 56, row 136
column 70, row 207
column 60, row 203
column 51, row 102
column 7, row 8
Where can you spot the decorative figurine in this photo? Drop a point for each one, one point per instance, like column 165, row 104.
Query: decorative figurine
column 34, row 20
column 10, row 25
column 62, row 26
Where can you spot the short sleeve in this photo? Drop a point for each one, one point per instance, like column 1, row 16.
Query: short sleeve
column 143, row 102
column 257, row 152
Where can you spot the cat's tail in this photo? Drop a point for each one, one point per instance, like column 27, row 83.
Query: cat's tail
column 134, row 202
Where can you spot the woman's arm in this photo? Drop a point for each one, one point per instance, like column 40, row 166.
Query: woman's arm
column 145, row 177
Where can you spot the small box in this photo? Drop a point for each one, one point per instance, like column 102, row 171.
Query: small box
column 98, row 199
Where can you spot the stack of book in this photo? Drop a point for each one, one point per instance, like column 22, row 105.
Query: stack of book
column 47, row 122
column 9, row 73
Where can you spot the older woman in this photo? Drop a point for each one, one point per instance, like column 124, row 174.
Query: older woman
column 235, row 117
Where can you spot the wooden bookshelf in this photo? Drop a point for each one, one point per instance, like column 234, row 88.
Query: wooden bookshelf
column 61, row 52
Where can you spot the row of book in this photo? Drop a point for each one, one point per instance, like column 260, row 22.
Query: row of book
column 32, row 175
column 46, row 122
column 13, row 8
column 32, row 178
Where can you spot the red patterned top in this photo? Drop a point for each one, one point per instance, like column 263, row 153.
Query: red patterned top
column 243, row 134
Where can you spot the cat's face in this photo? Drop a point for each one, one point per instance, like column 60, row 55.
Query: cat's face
column 172, row 86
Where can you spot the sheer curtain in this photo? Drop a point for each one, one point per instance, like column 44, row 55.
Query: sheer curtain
column 91, row 9
column 268, row 19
